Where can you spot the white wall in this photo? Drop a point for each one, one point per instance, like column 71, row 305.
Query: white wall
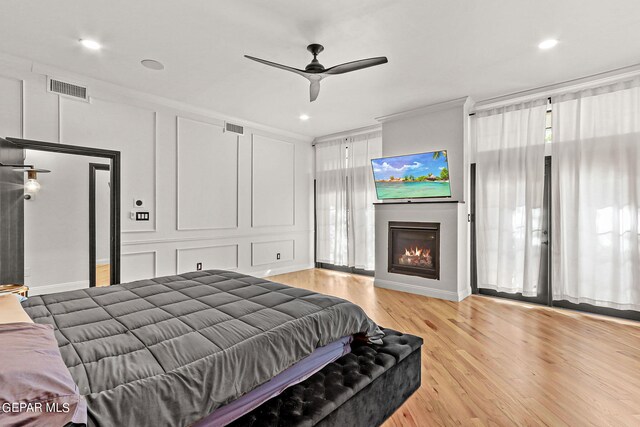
column 56, row 220
column 204, row 188
column 438, row 127
column 103, row 224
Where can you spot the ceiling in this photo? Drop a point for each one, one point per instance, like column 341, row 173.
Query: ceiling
column 437, row 49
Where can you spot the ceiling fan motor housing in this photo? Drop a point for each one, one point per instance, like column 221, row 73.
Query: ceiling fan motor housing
column 315, row 66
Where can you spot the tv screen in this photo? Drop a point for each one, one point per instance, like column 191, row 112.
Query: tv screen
column 413, row 176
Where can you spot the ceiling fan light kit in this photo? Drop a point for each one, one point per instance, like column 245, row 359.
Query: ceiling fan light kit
column 315, row 71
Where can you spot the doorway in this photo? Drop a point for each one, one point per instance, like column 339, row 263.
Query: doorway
column 99, row 225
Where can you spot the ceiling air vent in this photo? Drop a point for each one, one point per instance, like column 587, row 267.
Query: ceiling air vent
column 68, row 89
column 230, row 127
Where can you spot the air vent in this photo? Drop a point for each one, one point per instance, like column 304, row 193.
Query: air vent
column 230, row 127
column 68, row 89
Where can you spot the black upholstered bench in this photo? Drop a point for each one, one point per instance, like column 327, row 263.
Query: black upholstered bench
column 362, row 388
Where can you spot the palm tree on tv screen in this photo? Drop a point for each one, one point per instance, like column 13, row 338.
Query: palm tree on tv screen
column 437, row 154
column 444, row 174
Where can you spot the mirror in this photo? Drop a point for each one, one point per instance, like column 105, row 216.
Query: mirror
column 57, row 214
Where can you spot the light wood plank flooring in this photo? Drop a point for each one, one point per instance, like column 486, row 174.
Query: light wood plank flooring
column 103, row 273
column 492, row 362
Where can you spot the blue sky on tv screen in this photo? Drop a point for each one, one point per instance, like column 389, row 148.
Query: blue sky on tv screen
column 414, row 164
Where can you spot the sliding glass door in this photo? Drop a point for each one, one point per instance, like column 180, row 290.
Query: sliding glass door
column 541, row 289
column 545, row 294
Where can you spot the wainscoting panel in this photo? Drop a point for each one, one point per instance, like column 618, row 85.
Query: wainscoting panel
column 273, row 252
column 138, row 266
column 207, row 162
column 10, row 107
column 212, row 257
column 273, row 186
column 128, row 129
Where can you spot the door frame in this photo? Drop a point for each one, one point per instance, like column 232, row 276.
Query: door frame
column 93, row 167
column 115, row 159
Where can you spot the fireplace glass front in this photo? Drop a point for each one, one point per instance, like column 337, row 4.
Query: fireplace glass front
column 414, row 249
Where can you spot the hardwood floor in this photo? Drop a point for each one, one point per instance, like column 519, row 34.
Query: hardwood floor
column 103, row 273
column 492, row 362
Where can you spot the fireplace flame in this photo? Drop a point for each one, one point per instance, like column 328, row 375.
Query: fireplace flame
column 417, row 252
column 418, row 257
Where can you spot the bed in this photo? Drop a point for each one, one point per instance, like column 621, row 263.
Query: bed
column 180, row 350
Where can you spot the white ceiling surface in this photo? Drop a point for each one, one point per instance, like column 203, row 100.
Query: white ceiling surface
column 437, row 49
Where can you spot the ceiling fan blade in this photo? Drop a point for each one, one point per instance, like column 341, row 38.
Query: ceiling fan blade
column 314, row 90
column 356, row 65
column 282, row 67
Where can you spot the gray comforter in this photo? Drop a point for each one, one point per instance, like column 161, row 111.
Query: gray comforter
column 169, row 351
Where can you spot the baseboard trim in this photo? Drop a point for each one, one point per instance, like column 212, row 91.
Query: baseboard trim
column 281, row 270
column 420, row 290
column 84, row 284
column 58, row 287
column 462, row 294
column 343, row 269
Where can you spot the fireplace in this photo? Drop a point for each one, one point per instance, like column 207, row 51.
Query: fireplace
column 414, row 249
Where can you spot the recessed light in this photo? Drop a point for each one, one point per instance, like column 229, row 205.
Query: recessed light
column 304, row 117
column 90, row 44
column 548, row 44
column 152, row 64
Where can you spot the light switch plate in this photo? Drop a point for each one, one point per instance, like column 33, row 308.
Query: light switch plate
column 142, row 216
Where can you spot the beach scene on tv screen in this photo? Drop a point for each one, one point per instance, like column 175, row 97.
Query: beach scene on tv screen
column 412, row 176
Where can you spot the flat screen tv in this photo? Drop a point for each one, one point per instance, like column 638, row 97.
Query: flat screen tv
column 414, row 176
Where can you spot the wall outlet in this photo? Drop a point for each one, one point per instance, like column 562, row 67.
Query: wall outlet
column 199, row 266
column 278, row 255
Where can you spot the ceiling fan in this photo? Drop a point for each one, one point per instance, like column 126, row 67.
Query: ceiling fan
column 315, row 71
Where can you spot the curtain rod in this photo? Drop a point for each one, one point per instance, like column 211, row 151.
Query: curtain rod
column 347, row 133
column 549, row 102
column 559, row 88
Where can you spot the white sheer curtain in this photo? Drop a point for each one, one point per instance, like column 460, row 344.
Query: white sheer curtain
column 331, row 202
column 361, row 195
column 345, row 193
column 596, row 196
column 509, row 201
